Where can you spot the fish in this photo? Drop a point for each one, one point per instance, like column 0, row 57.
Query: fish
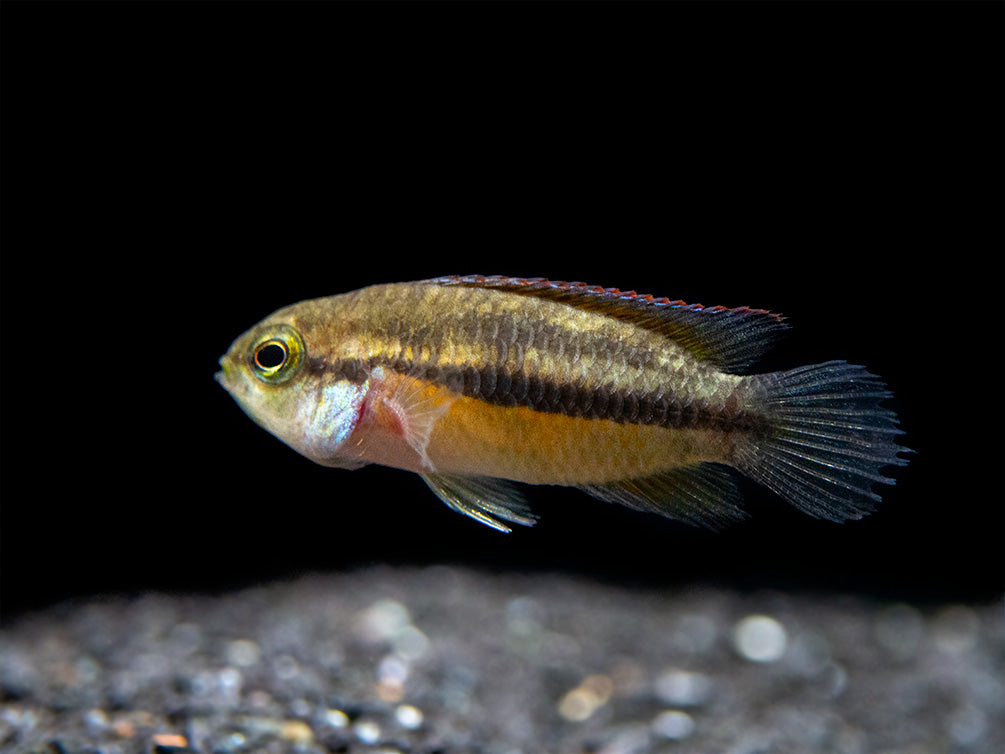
column 481, row 384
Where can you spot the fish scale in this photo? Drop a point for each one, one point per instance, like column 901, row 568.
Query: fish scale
column 532, row 368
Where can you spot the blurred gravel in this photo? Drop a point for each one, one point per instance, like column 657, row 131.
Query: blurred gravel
column 450, row 660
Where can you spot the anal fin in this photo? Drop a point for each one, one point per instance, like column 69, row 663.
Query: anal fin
column 704, row 494
column 482, row 498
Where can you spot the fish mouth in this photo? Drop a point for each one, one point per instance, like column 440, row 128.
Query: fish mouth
column 226, row 374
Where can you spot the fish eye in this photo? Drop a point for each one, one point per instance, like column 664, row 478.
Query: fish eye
column 277, row 355
column 271, row 355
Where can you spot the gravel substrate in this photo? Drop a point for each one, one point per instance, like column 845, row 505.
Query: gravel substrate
column 449, row 660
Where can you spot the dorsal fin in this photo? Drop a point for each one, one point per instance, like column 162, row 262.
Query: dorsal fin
column 731, row 339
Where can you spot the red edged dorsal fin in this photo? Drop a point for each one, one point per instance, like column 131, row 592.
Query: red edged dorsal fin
column 731, row 339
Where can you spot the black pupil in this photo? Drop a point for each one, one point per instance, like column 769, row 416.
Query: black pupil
column 270, row 356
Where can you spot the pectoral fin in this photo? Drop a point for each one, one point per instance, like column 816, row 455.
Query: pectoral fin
column 406, row 407
column 481, row 498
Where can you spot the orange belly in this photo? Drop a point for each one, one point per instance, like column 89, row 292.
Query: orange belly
column 474, row 437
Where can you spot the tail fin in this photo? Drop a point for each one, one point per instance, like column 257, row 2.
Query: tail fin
column 826, row 440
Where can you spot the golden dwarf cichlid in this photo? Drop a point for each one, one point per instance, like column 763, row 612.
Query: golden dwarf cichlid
column 474, row 382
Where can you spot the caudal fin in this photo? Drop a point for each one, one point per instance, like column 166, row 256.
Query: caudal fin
column 826, row 439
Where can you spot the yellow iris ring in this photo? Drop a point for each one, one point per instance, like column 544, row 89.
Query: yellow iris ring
column 292, row 345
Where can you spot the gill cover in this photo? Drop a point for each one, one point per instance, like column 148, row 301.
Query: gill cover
column 330, row 419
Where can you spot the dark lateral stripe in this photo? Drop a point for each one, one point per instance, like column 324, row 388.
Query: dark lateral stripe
column 519, row 389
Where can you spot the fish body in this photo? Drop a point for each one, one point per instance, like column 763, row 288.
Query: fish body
column 475, row 382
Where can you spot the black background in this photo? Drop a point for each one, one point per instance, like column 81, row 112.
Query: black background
column 174, row 173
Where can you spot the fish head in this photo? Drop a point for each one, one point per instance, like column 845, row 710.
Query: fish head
column 270, row 372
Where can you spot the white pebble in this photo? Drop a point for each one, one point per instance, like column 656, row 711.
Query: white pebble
column 96, row 720
column 230, row 681
column 367, row 732
column 680, row 687
column 673, row 724
column 410, row 643
column 336, row 718
column 760, row 638
column 392, row 669
column 243, row 652
column 408, row 717
column 384, row 619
